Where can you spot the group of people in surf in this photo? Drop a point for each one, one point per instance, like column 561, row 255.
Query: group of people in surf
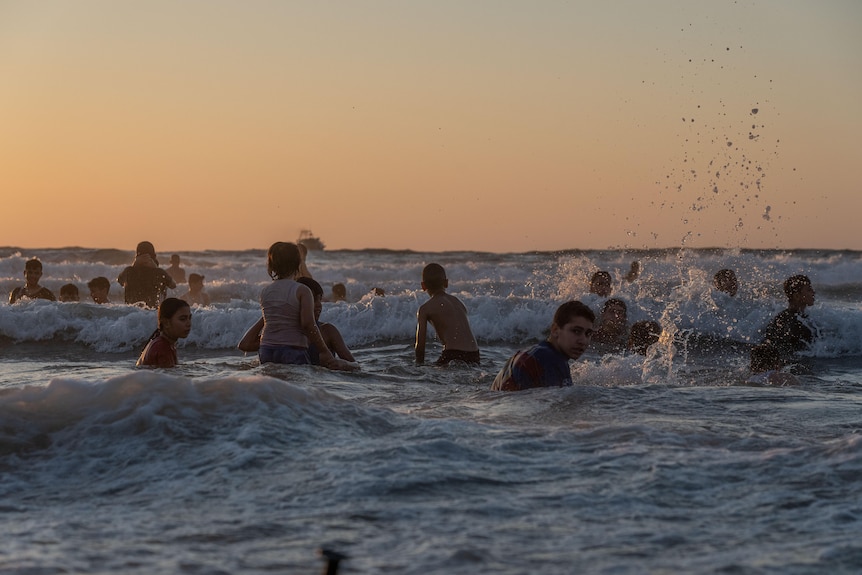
column 290, row 332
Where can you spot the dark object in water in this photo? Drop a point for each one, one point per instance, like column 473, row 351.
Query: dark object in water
column 309, row 240
column 333, row 558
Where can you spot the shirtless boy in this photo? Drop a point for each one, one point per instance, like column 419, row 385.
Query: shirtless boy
column 448, row 316
column 31, row 289
column 546, row 364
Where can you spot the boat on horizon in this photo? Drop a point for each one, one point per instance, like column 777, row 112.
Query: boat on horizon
column 310, row 241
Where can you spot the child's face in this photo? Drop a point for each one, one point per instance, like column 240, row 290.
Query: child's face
column 179, row 325
column 32, row 275
column 573, row 338
column 99, row 295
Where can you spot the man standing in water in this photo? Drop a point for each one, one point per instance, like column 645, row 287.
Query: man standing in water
column 144, row 281
column 787, row 332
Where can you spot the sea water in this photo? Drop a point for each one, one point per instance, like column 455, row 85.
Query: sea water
column 662, row 464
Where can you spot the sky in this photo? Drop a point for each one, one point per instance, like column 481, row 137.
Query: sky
column 489, row 125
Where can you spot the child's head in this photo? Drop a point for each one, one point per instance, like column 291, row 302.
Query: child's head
column 765, row 357
column 614, row 310
column 175, row 260
column 283, row 260
column 175, row 318
column 69, row 292
column 196, row 281
column 339, row 292
column 33, row 271
column 570, row 310
column 794, row 284
column 642, row 335
column 600, row 283
column 317, row 292
column 434, row 278
column 725, row 281
column 572, row 329
column 99, row 288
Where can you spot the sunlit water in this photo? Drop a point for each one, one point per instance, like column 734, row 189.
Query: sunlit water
column 658, row 465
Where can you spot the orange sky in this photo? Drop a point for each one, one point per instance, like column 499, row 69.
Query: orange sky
column 483, row 125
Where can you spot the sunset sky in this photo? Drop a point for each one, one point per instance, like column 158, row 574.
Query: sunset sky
column 492, row 125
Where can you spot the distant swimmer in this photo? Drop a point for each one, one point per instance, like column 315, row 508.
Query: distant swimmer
column 634, row 272
column 642, row 335
column 448, row 316
column 144, row 281
column 175, row 322
column 100, row 287
column 546, row 364
column 196, row 293
column 175, row 271
column 787, row 331
column 765, row 365
column 725, row 281
column 601, row 284
column 69, row 293
column 612, row 331
column 338, row 293
column 31, row 289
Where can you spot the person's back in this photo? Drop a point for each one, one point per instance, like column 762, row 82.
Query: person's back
column 448, row 316
column 765, row 366
column 144, row 281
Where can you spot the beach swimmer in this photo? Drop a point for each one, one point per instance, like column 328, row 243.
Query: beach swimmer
column 546, row 364
column 330, row 333
column 612, row 330
column 69, row 293
column 144, row 281
column 448, row 316
column 175, row 322
column 725, row 281
column 787, row 331
column 99, row 289
column 642, row 335
column 601, row 283
column 31, row 289
column 288, row 314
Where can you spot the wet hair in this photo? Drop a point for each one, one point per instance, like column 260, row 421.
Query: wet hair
column 434, row 277
column 643, row 334
column 725, row 280
column 601, row 275
column 765, row 357
column 615, row 302
column 316, row 288
column 570, row 310
column 145, row 248
column 794, row 284
column 339, row 290
column 282, row 260
column 33, row 264
column 170, row 307
column 99, row 283
column 69, row 290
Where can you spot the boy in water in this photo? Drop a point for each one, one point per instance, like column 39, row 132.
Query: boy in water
column 787, row 331
column 99, row 288
column 196, row 293
column 448, row 316
column 546, row 364
column 765, row 366
column 31, row 289
column 69, row 293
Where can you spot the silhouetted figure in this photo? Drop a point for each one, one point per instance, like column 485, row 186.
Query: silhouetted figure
column 175, row 271
column 725, row 281
column 99, row 289
column 787, row 332
column 31, row 289
column 601, row 284
column 144, row 281
column 634, row 272
column 69, row 293
column 643, row 334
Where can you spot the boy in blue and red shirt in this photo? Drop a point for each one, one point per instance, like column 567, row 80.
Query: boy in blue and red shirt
column 546, row 364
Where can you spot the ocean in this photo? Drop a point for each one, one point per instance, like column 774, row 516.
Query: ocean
column 662, row 464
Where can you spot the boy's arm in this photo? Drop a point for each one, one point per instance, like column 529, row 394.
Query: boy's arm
column 309, row 328
column 421, row 334
column 251, row 339
column 335, row 342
